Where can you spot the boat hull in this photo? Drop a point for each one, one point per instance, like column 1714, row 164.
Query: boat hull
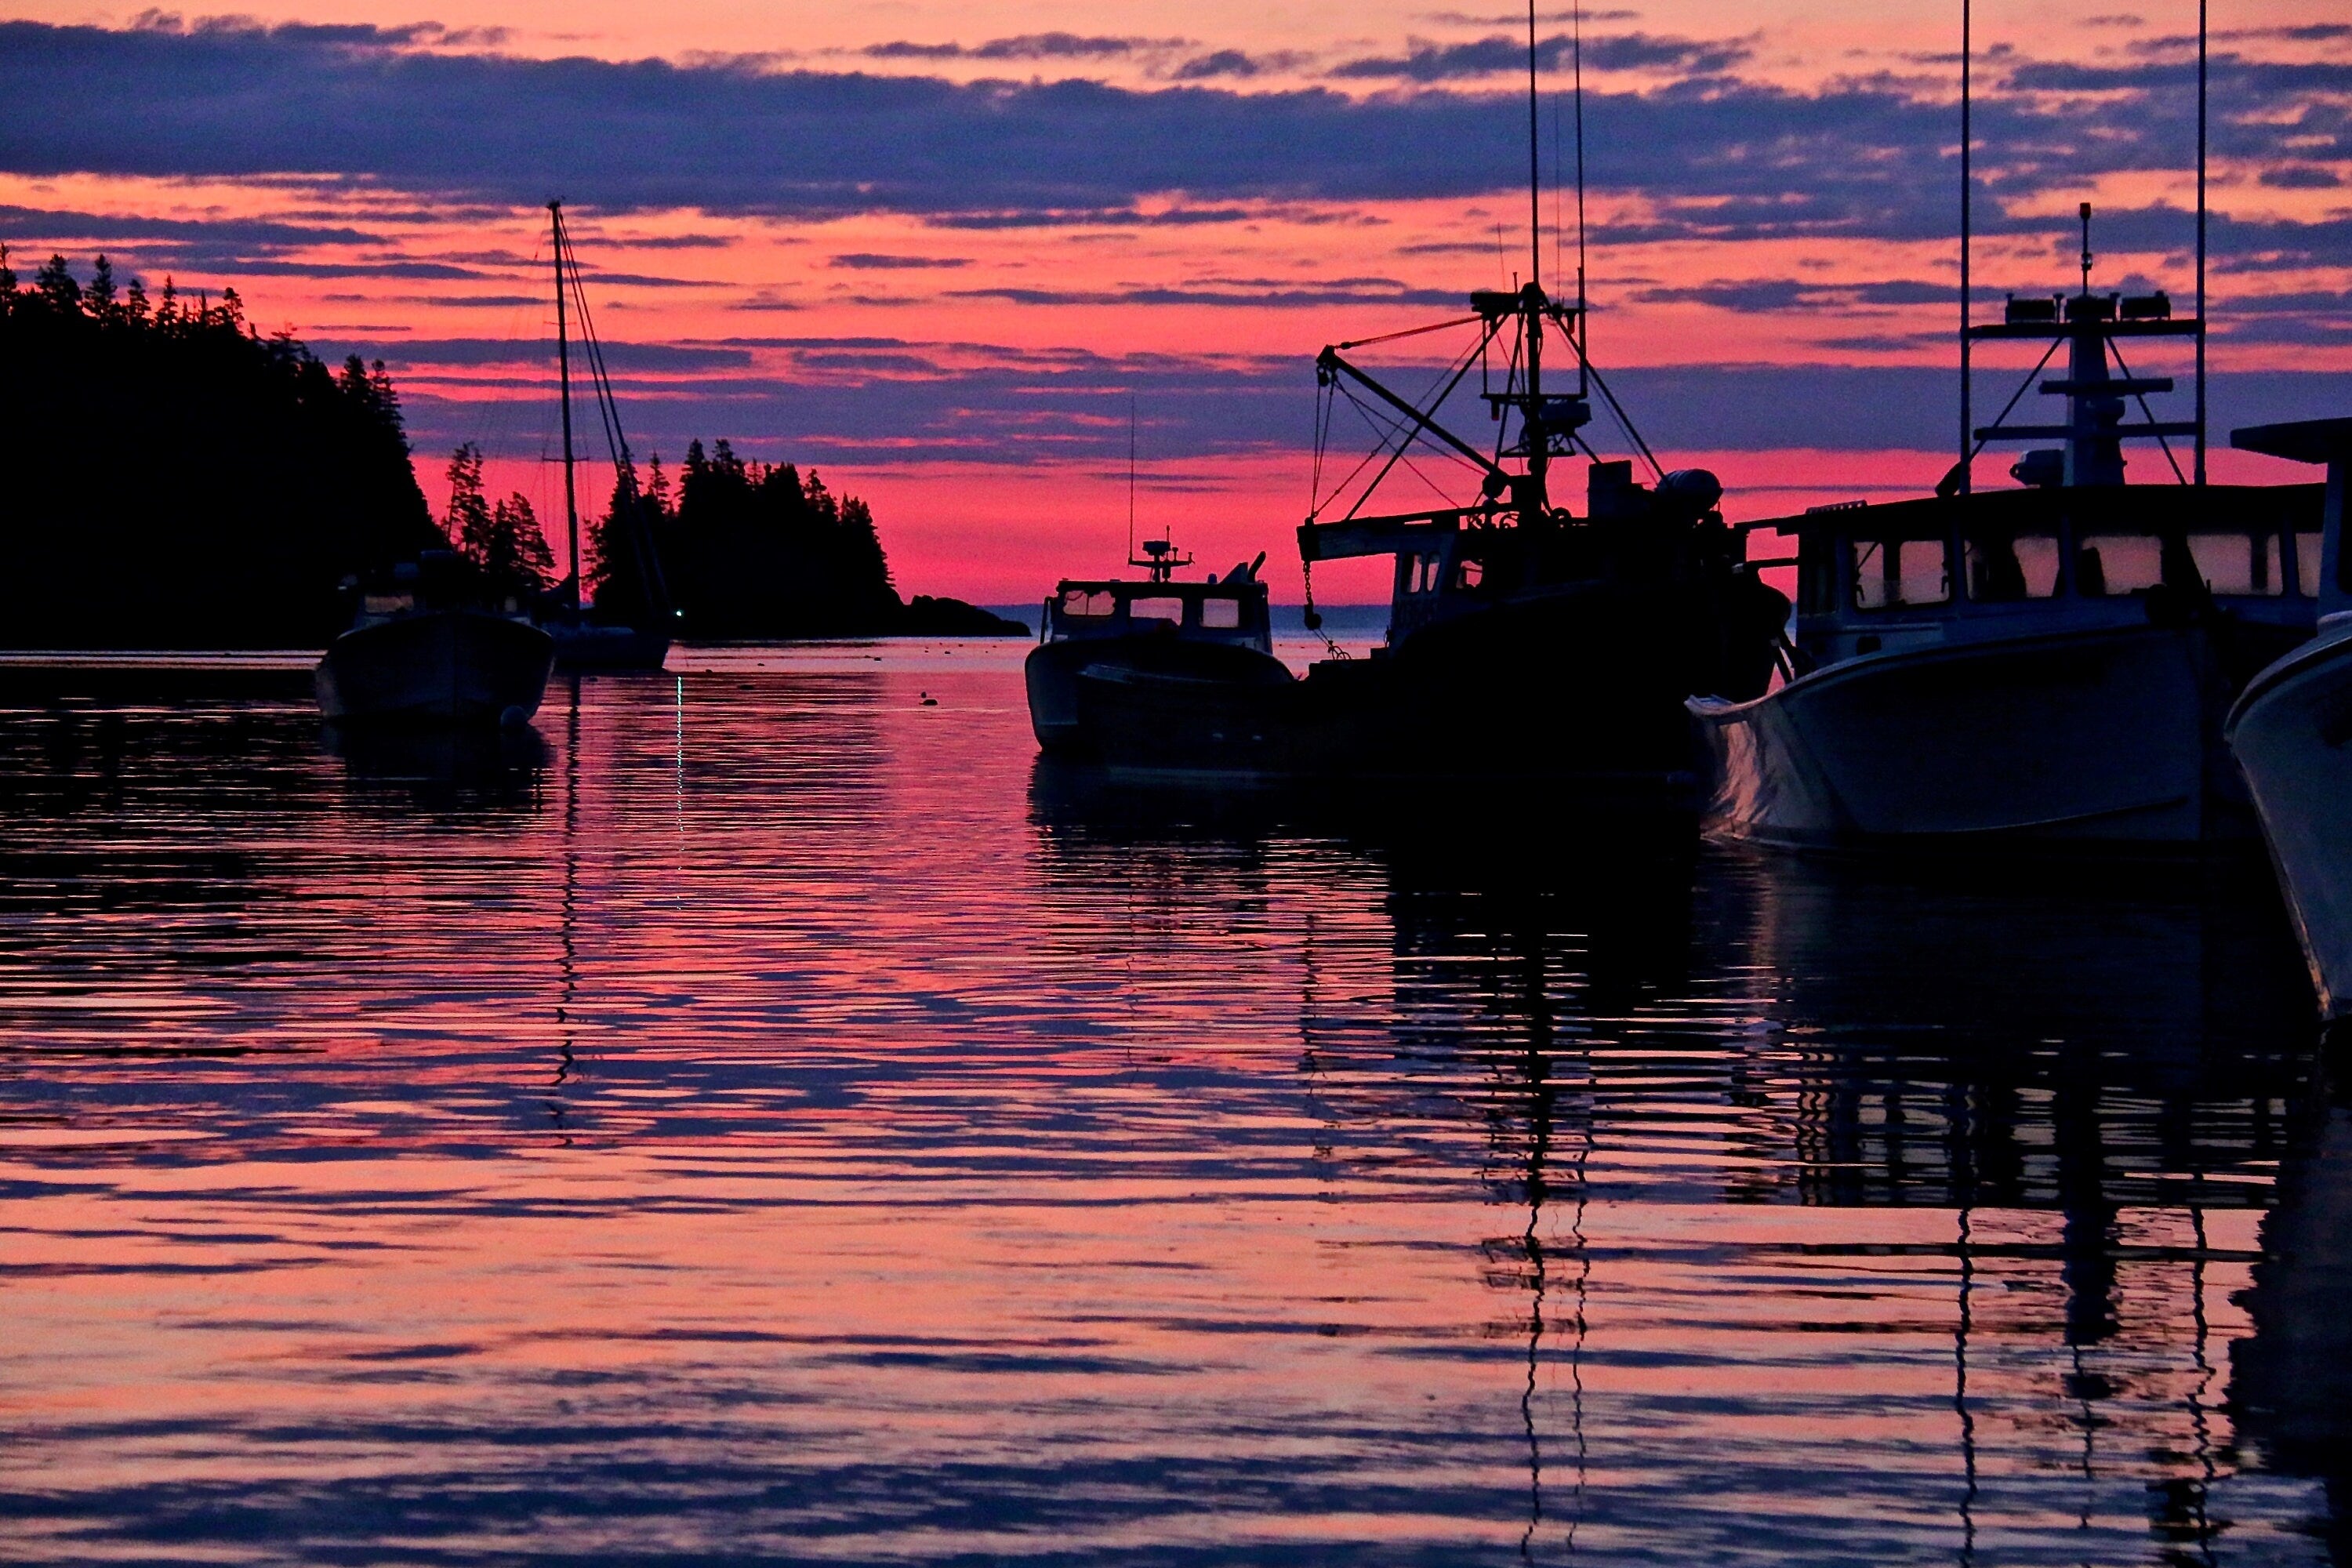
column 586, row 646
column 1551, row 686
column 2290, row 732
column 443, row 667
column 1054, row 672
column 2094, row 737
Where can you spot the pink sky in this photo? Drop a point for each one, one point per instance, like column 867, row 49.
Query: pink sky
column 813, row 330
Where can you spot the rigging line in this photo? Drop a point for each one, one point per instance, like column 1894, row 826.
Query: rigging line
column 1624, row 420
column 1460, row 371
column 1394, row 457
column 2150, row 413
column 2014, row 398
column 1408, row 332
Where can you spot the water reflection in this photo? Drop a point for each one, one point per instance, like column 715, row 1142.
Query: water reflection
column 779, row 1119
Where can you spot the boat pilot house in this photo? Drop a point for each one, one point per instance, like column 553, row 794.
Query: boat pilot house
column 1234, row 611
column 1992, row 564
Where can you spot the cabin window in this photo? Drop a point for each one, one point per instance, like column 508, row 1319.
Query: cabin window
column 1221, row 614
column 388, row 604
column 1426, row 571
column 2116, row 564
column 2306, row 564
column 1469, row 575
column 1168, row 610
column 1816, row 574
column 1888, row 572
column 1083, row 605
column 2001, row 570
column 2237, row 562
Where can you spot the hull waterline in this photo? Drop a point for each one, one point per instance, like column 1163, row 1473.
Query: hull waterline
column 2100, row 737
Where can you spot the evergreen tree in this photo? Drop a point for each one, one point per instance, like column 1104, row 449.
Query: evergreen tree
column 468, row 522
column 179, row 481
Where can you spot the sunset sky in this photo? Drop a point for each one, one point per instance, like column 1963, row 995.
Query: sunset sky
column 933, row 250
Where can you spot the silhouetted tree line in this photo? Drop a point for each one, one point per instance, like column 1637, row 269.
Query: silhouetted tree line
column 176, row 480
column 757, row 550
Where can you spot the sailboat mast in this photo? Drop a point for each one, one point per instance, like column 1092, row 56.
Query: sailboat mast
column 1534, row 434
column 563, row 382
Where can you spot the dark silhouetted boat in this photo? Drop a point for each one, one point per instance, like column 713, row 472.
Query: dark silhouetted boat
column 583, row 639
column 2292, row 723
column 1098, row 633
column 2046, row 665
column 424, row 652
column 1523, row 642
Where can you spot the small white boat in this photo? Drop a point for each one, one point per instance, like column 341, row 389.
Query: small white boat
column 409, row 660
column 2291, row 728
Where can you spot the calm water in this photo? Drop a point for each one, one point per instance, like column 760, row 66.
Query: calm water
column 761, row 1116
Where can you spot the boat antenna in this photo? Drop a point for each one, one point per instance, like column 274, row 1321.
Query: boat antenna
column 1576, row 25
column 1130, row 474
column 1967, row 194
column 563, row 381
column 1534, row 164
column 2201, row 241
column 2087, row 250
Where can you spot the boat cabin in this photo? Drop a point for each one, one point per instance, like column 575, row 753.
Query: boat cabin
column 1234, row 611
column 2009, row 563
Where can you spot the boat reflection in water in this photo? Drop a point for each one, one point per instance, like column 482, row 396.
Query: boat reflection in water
column 2290, row 1389
column 1911, row 1222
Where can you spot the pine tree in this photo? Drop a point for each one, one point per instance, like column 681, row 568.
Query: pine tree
column 467, row 520
column 98, row 298
column 55, row 283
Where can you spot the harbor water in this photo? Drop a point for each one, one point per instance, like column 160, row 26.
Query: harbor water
column 762, row 1112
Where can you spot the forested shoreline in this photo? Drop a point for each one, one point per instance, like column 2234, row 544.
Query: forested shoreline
column 176, row 480
column 179, row 481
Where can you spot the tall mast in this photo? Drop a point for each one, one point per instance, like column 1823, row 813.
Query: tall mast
column 1967, row 192
column 2201, row 241
column 563, row 381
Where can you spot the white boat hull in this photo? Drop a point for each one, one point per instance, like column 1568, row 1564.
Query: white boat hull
column 2107, row 736
column 2290, row 732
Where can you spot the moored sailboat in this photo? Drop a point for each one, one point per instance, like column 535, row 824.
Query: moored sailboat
column 584, row 638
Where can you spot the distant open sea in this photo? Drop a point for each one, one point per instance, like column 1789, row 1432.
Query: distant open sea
column 765, row 1113
column 1345, row 622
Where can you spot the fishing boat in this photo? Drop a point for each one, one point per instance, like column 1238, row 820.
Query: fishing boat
column 1111, row 630
column 424, row 650
column 1525, row 642
column 2043, row 665
column 2290, row 727
column 586, row 639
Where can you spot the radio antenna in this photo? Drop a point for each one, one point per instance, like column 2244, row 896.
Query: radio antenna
column 1534, row 164
column 1576, row 34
